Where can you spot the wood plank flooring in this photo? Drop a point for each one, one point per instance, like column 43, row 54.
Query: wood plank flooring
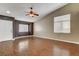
column 33, row 46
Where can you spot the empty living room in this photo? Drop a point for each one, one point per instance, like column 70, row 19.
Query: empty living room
column 39, row 29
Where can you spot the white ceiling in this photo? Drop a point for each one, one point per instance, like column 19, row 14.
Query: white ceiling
column 17, row 10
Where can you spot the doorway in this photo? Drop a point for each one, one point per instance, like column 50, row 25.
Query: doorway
column 6, row 29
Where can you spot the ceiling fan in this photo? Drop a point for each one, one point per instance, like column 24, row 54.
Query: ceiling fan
column 31, row 13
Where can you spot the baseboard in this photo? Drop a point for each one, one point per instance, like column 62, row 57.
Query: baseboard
column 47, row 38
column 16, row 38
column 57, row 39
column 22, row 37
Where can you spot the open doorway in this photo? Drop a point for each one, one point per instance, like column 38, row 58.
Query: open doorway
column 6, row 28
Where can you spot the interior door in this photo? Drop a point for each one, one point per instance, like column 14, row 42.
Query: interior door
column 6, row 32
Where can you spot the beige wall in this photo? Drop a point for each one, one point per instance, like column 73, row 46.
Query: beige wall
column 45, row 26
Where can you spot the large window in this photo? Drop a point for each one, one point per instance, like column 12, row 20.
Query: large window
column 62, row 24
column 23, row 28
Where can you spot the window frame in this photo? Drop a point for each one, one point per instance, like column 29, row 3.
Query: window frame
column 20, row 29
column 61, row 19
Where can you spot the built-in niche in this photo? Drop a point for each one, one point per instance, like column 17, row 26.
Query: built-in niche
column 23, row 28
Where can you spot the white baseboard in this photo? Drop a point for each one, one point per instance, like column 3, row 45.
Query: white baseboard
column 58, row 39
column 22, row 37
column 16, row 38
column 45, row 37
column 6, row 40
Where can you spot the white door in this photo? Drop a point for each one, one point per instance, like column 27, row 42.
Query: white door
column 6, row 30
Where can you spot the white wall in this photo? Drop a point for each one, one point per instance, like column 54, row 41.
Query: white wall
column 6, row 30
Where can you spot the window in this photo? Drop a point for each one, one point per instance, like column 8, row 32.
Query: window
column 23, row 28
column 62, row 24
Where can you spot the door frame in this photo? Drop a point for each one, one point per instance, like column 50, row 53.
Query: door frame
column 8, row 18
column 15, row 23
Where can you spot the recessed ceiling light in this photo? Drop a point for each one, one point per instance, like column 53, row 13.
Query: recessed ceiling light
column 8, row 12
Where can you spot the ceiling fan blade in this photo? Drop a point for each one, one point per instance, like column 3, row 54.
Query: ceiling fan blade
column 31, row 13
column 36, row 14
column 27, row 14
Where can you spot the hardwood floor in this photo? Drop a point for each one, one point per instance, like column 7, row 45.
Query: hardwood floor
column 33, row 46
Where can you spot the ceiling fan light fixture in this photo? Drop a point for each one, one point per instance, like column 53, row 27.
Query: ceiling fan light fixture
column 31, row 13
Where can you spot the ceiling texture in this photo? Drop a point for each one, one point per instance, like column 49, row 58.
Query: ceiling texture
column 17, row 10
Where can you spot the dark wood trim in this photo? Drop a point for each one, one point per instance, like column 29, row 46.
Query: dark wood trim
column 30, row 28
column 23, row 22
column 8, row 18
column 3, row 17
column 15, row 26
